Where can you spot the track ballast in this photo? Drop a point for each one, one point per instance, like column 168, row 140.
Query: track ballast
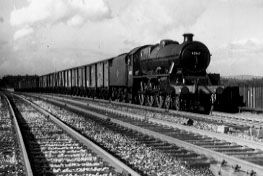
column 238, row 156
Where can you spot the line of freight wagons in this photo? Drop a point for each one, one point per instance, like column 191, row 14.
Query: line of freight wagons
column 83, row 80
column 89, row 80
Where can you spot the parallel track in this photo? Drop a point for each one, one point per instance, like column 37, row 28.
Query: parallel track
column 249, row 159
column 186, row 158
column 238, row 132
column 227, row 119
column 254, row 120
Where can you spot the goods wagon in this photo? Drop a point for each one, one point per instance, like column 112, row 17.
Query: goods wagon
column 29, row 83
column 118, row 78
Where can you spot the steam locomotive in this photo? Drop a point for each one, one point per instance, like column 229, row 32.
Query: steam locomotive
column 167, row 74
column 174, row 75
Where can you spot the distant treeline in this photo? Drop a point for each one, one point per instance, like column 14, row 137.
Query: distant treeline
column 10, row 81
column 239, row 82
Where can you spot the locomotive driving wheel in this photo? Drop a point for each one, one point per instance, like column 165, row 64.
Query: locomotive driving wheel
column 141, row 96
column 159, row 100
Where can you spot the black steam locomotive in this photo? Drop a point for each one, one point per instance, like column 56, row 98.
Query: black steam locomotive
column 174, row 75
column 167, row 74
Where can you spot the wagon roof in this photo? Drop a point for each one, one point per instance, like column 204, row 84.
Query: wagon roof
column 137, row 49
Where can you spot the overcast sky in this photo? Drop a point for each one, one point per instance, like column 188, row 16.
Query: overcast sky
column 41, row 36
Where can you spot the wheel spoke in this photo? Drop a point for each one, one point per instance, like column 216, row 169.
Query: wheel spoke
column 150, row 100
column 159, row 101
column 141, row 99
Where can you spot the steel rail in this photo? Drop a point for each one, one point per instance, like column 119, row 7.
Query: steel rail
column 113, row 161
column 237, row 116
column 21, row 141
column 241, row 121
column 245, row 165
column 221, row 136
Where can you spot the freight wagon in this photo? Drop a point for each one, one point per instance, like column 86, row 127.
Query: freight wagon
column 29, row 83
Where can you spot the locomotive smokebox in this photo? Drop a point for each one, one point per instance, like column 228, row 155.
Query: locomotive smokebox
column 188, row 37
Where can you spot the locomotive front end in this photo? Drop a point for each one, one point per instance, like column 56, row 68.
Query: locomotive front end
column 195, row 56
column 193, row 87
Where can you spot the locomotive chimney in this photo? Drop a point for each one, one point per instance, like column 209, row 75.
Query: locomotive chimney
column 188, row 37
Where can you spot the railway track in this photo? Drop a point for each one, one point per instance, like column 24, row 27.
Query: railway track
column 13, row 155
column 231, row 120
column 55, row 149
column 203, row 122
column 252, row 119
column 157, row 154
column 245, row 160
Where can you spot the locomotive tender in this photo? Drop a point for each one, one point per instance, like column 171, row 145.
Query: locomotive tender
column 167, row 74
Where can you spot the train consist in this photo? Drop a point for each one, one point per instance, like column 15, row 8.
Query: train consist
column 167, row 74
